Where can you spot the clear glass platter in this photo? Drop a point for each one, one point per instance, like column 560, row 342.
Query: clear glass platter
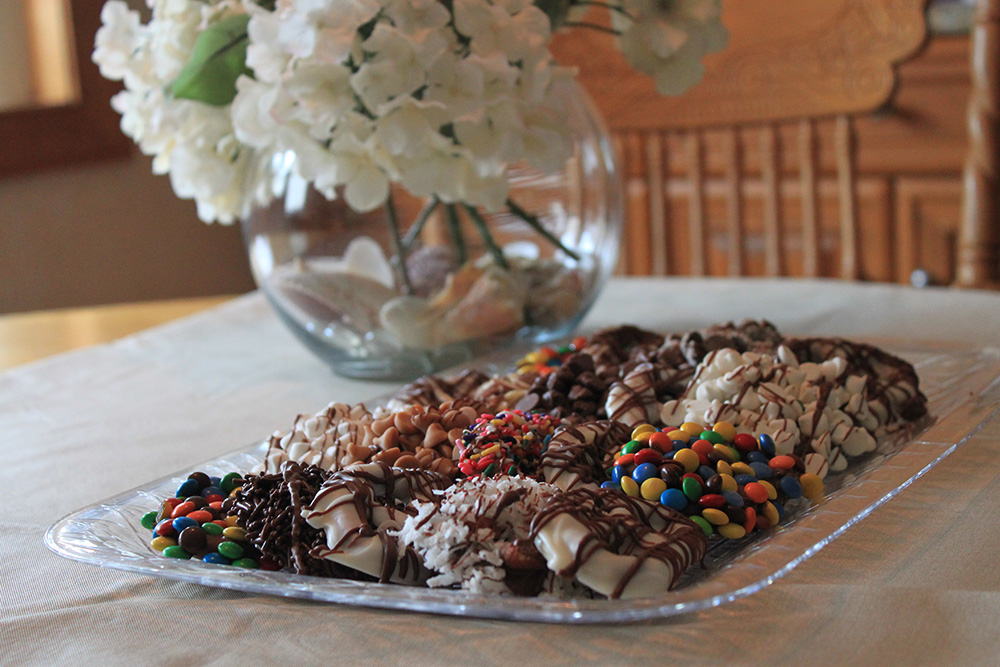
column 963, row 390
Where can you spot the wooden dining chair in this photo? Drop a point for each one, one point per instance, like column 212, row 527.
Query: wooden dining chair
column 753, row 171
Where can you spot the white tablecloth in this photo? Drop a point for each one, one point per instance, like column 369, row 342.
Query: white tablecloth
column 917, row 582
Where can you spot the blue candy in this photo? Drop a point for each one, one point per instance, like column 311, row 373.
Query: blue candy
column 612, row 485
column 678, row 445
column 216, row 558
column 766, row 444
column 733, row 498
column 617, row 473
column 705, row 472
column 674, row 498
column 182, row 522
column 790, row 487
column 762, row 469
column 188, row 488
column 744, row 478
column 210, row 490
column 645, row 471
column 757, row 456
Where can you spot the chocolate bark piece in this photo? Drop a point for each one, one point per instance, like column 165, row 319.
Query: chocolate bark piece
column 269, row 507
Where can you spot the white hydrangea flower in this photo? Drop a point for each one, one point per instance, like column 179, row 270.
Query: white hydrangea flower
column 116, row 39
column 669, row 40
column 441, row 98
column 407, row 100
column 192, row 142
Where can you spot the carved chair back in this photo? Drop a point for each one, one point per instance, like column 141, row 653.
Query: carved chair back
column 752, row 171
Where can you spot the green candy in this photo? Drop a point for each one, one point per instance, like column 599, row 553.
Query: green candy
column 691, row 488
column 231, row 550
column 148, row 520
column 712, row 437
column 211, row 528
column 632, row 446
column 176, row 551
column 248, row 563
column 705, row 526
column 230, row 482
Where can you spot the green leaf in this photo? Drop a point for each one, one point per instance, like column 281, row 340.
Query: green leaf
column 218, row 58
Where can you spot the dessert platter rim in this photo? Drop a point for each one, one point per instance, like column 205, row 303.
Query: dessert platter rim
column 107, row 533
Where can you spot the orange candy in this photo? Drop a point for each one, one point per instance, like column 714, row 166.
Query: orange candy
column 755, row 492
column 782, row 462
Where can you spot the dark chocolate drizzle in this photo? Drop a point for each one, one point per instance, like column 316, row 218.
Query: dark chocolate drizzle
column 626, row 526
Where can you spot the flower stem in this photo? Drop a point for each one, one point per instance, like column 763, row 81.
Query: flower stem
column 418, row 223
column 398, row 252
column 536, row 224
column 491, row 244
column 456, row 233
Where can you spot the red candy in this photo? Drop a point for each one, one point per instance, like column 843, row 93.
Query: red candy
column 648, row 455
column 266, row 563
column 712, row 500
column 624, row 459
column 661, row 442
column 695, row 476
column 751, row 519
column 183, row 509
column 745, row 442
column 201, row 516
column 166, row 528
column 702, row 447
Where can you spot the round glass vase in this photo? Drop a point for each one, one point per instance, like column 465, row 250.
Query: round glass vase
column 415, row 286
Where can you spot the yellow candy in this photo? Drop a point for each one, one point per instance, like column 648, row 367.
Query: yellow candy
column 728, row 482
column 723, row 468
column 688, row 458
column 725, row 452
column 678, row 434
column 231, row 520
column 771, row 513
column 740, row 468
column 485, row 452
column 812, row 486
column 732, row 531
column 643, row 437
column 726, row 430
column 652, row 488
column 630, row 487
column 160, row 542
column 234, row 533
column 772, row 493
column 535, row 358
column 642, row 428
column 692, row 428
column 715, row 517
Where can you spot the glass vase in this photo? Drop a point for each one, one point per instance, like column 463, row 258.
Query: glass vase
column 412, row 288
